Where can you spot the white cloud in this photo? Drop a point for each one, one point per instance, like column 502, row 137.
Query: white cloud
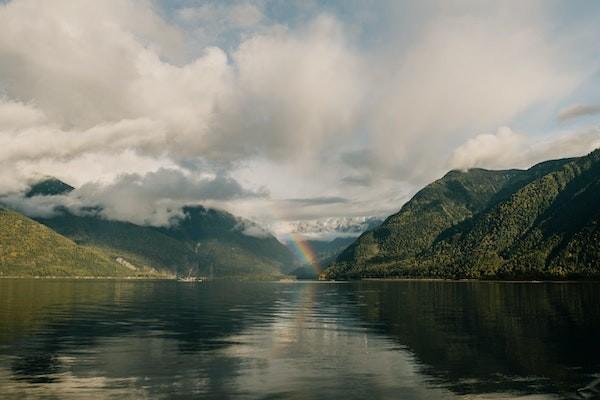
column 465, row 74
column 295, row 91
column 155, row 198
column 578, row 110
column 507, row 149
column 497, row 150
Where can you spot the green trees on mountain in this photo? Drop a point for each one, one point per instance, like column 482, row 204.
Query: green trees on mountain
column 204, row 242
column 28, row 248
column 538, row 223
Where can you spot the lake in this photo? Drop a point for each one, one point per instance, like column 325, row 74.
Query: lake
column 303, row 340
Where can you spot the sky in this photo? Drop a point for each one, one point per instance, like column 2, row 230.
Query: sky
column 304, row 116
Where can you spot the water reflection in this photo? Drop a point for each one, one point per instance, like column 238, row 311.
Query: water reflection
column 482, row 337
column 414, row 340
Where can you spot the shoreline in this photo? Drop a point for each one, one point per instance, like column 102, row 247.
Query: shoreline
column 595, row 280
column 150, row 278
column 90, row 278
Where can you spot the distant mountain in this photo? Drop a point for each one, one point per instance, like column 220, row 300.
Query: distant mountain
column 204, row 242
column 324, row 229
column 543, row 222
column 325, row 252
column 49, row 187
column 28, row 248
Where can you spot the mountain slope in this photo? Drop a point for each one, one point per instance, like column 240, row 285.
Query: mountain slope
column 138, row 245
column 538, row 231
column 439, row 206
column 542, row 222
column 204, row 242
column 28, row 248
column 221, row 244
column 327, row 251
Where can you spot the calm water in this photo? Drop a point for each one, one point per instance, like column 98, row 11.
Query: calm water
column 396, row 340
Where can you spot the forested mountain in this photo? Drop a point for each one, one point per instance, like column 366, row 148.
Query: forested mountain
column 204, row 242
column 28, row 248
column 139, row 245
column 543, row 222
column 221, row 244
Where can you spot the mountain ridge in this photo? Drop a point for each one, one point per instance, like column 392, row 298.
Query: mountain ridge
column 203, row 242
column 492, row 224
column 29, row 248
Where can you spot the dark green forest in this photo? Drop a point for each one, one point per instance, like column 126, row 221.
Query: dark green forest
column 540, row 223
column 28, row 248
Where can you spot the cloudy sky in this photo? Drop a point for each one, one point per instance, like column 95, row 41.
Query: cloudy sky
column 288, row 112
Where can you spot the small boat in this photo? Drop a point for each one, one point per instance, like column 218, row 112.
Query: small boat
column 189, row 279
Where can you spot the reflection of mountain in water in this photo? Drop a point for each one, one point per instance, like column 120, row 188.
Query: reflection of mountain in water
column 477, row 337
column 420, row 340
column 68, row 317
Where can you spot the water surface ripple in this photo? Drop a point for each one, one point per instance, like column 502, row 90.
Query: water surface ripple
column 258, row 340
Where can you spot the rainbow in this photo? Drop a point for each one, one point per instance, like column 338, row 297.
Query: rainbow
column 303, row 251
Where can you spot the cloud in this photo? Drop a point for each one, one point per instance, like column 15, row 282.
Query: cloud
column 250, row 228
column 155, row 198
column 316, row 201
column 578, row 110
column 110, row 87
column 507, row 149
column 358, row 180
column 463, row 74
column 490, row 150
column 297, row 91
column 243, row 15
column 17, row 115
column 329, row 228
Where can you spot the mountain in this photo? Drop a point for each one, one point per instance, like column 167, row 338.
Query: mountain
column 221, row 244
column 204, row 242
column 327, row 251
column 49, row 187
column 28, row 248
column 139, row 245
column 323, row 229
column 543, row 222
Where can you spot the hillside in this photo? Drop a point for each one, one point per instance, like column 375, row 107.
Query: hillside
column 327, row 251
column 139, row 245
column 204, row 242
column 218, row 240
column 538, row 223
column 28, row 248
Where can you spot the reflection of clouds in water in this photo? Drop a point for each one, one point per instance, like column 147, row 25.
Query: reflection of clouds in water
column 310, row 356
column 300, row 340
column 70, row 386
